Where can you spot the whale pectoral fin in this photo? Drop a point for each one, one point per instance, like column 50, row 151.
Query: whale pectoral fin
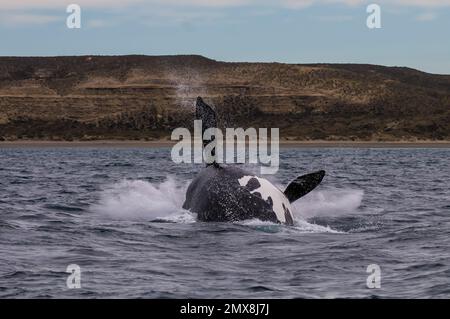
column 205, row 113
column 303, row 185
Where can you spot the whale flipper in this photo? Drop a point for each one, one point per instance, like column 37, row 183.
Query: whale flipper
column 303, row 185
column 205, row 113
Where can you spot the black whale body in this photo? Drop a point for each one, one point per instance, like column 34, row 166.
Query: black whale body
column 216, row 195
column 227, row 193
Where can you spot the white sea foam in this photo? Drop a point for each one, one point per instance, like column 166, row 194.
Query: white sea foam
column 299, row 225
column 142, row 200
column 329, row 202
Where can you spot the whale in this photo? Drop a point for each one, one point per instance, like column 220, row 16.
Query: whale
column 229, row 193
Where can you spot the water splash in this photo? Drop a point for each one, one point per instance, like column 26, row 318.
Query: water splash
column 300, row 226
column 329, row 202
column 188, row 85
column 142, row 200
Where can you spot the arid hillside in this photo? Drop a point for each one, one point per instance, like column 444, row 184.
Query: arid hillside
column 145, row 97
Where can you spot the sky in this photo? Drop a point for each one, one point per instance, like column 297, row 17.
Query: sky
column 413, row 33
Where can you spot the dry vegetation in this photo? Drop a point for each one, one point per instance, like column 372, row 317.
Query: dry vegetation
column 142, row 97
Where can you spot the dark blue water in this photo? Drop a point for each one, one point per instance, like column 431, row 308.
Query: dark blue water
column 116, row 213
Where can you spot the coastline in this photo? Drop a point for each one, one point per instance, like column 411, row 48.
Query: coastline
column 168, row 143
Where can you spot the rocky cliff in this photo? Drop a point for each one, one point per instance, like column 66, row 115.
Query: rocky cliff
column 145, row 97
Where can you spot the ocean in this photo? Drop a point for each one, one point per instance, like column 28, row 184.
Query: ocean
column 116, row 213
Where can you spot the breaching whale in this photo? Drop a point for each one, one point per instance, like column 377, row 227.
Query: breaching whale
column 227, row 193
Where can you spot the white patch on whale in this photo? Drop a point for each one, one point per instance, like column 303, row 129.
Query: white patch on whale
column 267, row 189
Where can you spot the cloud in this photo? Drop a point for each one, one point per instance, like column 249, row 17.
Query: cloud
column 424, row 3
column 297, row 4
column 26, row 12
column 207, row 3
column 337, row 18
column 428, row 16
column 31, row 4
column 57, row 4
column 54, row 4
column 99, row 23
column 19, row 19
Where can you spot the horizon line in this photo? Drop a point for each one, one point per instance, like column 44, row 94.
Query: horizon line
column 220, row 61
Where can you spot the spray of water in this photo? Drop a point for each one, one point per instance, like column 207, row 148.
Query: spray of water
column 188, row 86
column 329, row 202
column 142, row 200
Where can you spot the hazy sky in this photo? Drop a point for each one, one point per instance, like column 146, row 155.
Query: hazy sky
column 414, row 33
